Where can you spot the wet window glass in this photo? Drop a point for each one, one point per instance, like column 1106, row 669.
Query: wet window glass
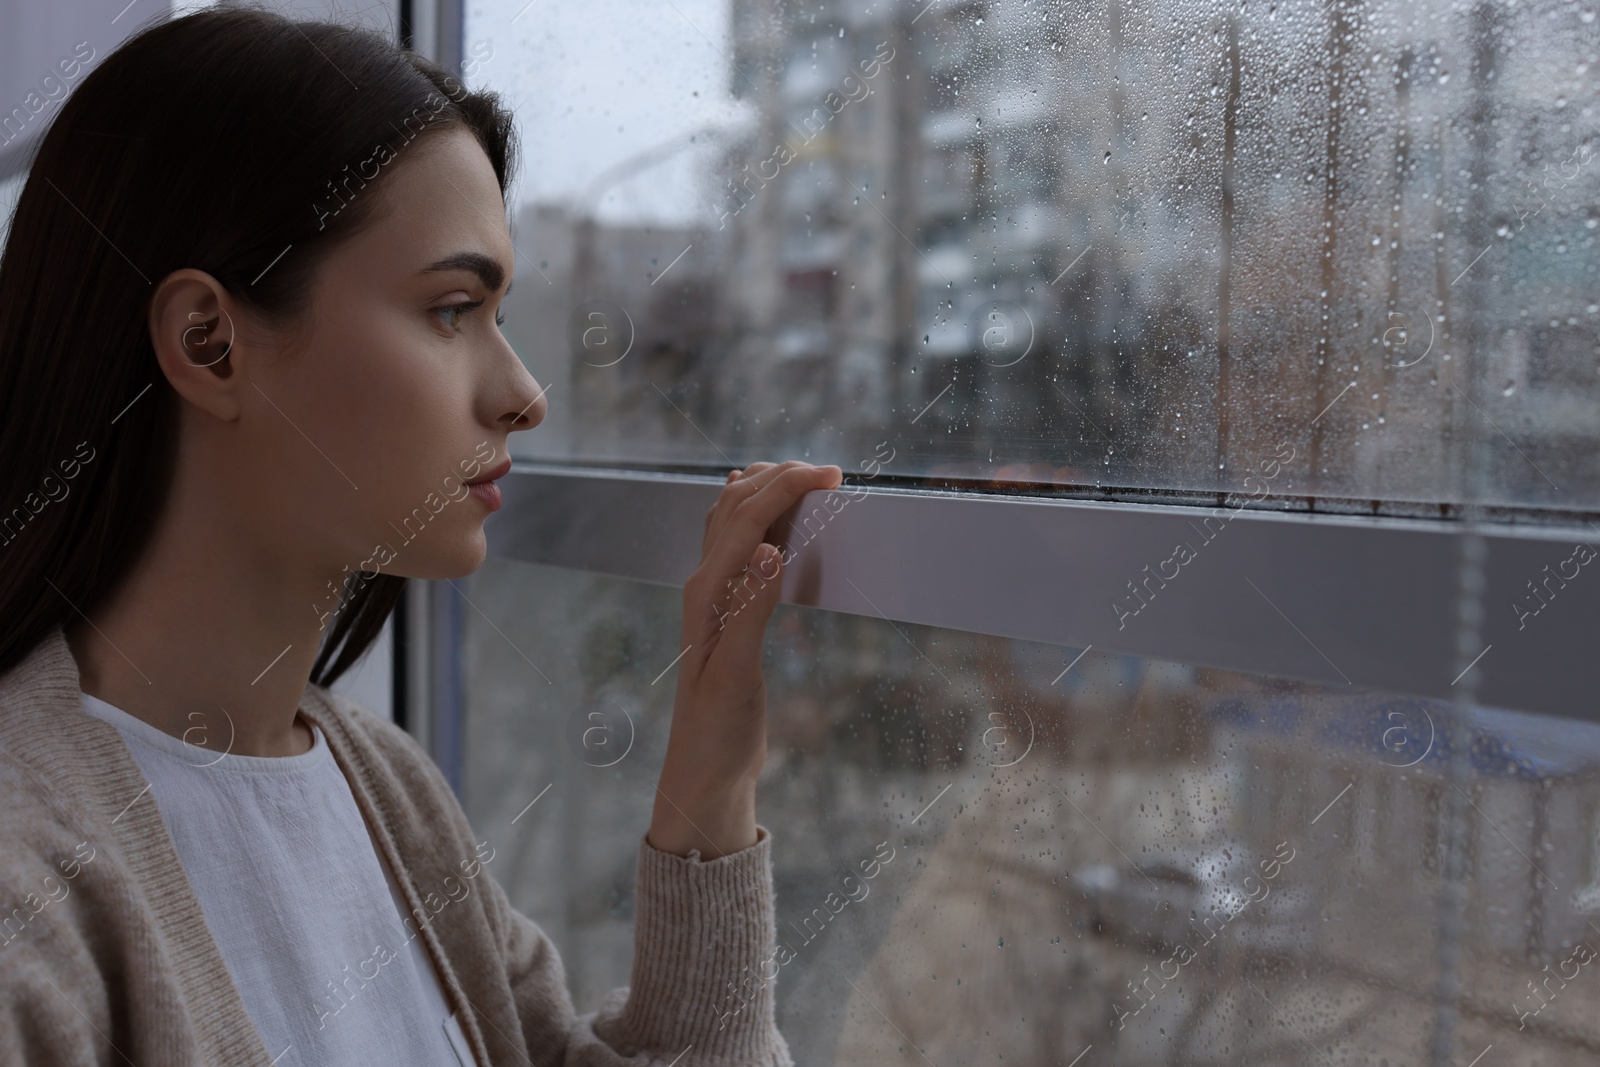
column 996, row 851
column 1134, row 250
column 1131, row 245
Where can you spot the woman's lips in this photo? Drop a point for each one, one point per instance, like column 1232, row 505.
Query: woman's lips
column 487, row 493
column 483, row 488
column 499, row 470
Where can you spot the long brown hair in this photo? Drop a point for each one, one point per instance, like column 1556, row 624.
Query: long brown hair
column 220, row 141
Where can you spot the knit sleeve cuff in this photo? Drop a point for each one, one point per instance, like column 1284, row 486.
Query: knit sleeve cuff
column 704, row 962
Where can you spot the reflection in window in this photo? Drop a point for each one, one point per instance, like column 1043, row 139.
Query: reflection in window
column 1173, row 864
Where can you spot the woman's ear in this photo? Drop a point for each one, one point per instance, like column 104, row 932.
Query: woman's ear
column 196, row 341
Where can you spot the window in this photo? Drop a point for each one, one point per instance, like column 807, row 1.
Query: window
column 1234, row 867
column 1366, row 230
column 1212, row 647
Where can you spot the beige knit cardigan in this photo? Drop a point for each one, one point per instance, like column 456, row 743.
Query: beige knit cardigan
column 105, row 957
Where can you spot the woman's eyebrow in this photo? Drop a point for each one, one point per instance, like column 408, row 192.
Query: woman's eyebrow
column 485, row 267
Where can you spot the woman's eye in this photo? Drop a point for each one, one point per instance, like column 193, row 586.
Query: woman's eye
column 453, row 312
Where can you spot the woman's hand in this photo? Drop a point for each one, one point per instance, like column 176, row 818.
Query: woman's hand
column 706, row 798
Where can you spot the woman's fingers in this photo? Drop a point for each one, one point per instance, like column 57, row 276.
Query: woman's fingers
column 737, row 534
column 741, row 485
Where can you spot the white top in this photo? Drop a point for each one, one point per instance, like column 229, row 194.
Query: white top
column 306, row 914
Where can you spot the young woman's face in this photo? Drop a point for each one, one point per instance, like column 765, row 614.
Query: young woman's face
column 389, row 396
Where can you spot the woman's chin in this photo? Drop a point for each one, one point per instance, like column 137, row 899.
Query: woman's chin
column 446, row 562
column 469, row 559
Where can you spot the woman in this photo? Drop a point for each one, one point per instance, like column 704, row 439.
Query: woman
column 246, row 350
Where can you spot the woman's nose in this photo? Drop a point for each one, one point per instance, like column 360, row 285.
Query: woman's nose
column 533, row 413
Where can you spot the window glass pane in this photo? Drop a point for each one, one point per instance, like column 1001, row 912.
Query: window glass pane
column 1132, row 244
column 1174, row 864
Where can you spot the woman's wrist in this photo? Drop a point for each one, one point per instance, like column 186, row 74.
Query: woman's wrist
column 713, row 821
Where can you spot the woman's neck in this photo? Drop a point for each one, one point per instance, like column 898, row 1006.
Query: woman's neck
column 209, row 639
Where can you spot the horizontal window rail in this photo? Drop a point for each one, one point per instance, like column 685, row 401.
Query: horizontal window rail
column 1336, row 599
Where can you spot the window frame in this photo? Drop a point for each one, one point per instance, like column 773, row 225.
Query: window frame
column 1369, row 602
